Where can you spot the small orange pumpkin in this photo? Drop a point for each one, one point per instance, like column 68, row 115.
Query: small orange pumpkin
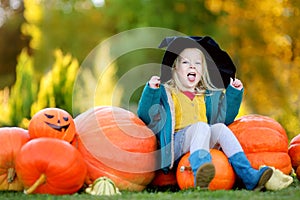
column 298, row 172
column 294, row 153
column 224, row 178
column 264, row 141
column 54, row 123
column 116, row 143
column 11, row 141
column 184, row 173
column 50, row 166
column 164, row 180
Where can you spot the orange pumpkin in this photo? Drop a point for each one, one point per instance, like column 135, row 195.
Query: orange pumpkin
column 264, row 141
column 298, row 172
column 117, row 144
column 224, row 178
column 11, row 141
column 184, row 173
column 294, row 153
column 50, row 166
column 52, row 122
column 164, row 180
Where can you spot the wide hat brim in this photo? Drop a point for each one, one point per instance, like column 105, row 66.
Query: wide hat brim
column 220, row 66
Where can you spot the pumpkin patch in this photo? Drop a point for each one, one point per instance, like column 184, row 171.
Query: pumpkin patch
column 114, row 143
column 11, row 141
column 264, row 141
column 50, row 166
column 117, row 144
column 54, row 123
column 224, row 178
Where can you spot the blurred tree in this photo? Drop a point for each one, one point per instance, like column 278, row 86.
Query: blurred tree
column 11, row 39
column 23, row 92
column 56, row 87
column 29, row 95
column 72, row 26
column 190, row 17
column 78, row 26
column 96, row 82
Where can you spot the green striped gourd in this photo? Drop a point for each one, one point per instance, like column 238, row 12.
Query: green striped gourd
column 103, row 186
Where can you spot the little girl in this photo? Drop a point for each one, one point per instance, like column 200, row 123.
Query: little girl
column 189, row 114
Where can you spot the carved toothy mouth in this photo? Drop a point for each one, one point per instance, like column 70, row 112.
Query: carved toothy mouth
column 58, row 128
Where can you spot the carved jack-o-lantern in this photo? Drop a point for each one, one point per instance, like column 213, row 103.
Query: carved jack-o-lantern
column 52, row 122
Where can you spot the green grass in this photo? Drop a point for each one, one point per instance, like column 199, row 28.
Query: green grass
column 290, row 193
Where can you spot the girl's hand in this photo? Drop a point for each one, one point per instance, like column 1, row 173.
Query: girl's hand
column 236, row 83
column 154, row 82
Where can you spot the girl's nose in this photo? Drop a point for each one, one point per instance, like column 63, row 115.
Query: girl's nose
column 192, row 66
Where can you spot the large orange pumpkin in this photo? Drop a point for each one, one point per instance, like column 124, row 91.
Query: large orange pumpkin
column 11, row 141
column 294, row 153
column 224, row 178
column 117, row 144
column 50, row 166
column 54, row 123
column 264, row 141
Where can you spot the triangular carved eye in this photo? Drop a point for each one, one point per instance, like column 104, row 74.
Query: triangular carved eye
column 49, row 116
column 66, row 118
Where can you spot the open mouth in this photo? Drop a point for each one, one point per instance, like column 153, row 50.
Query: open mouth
column 191, row 76
column 58, row 128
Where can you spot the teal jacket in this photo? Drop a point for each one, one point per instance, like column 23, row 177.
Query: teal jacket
column 157, row 111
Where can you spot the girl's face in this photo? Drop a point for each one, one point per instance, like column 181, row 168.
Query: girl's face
column 189, row 68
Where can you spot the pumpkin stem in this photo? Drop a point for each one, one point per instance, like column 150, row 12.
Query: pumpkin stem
column 11, row 173
column 40, row 181
column 185, row 168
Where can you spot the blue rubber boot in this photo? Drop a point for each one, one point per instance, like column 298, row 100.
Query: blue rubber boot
column 252, row 178
column 202, row 167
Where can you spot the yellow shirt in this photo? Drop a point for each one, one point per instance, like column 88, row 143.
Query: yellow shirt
column 188, row 111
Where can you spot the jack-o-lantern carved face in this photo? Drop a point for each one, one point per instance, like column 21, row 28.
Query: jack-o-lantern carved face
column 52, row 122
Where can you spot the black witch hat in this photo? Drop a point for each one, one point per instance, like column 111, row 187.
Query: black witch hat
column 219, row 63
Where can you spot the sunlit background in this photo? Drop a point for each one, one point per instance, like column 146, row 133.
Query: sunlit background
column 43, row 44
